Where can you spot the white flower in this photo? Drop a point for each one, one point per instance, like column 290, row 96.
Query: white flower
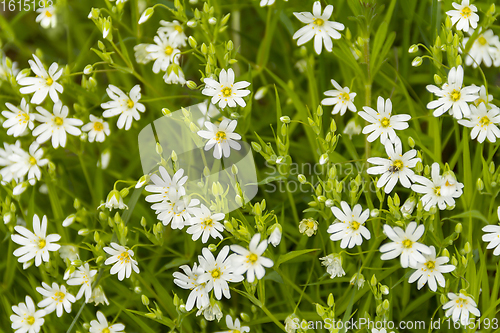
column 383, row 123
column 164, row 53
column 127, row 107
column 141, row 55
column 84, row 277
column 350, row 229
column 166, row 186
column 483, row 49
column 464, row 14
column 6, row 161
column 452, row 97
column 352, row 128
column 56, row 125
column 342, row 98
column 18, row 119
column 35, row 245
column 122, row 260
column 235, row 327
column 97, row 128
column 211, row 311
column 178, row 209
column 275, row 237
column 333, row 263
column 431, row 271
column 221, row 137
column 69, row 252
column 492, row 236
column 404, row 243
column 174, row 75
column 226, row 91
column 319, row 27
column 459, row 307
column 264, row 3
column 218, row 272
column 101, row 325
column 291, row 323
column 483, row 97
column 47, row 17
column 438, row 191
column 45, row 83
column 98, row 296
column 26, row 317
column 396, row 167
column 205, row 224
column 483, row 123
column 308, row 226
column 114, row 201
column 174, row 31
column 55, row 298
column 29, row 163
column 189, row 280
column 251, row 260
column 409, row 206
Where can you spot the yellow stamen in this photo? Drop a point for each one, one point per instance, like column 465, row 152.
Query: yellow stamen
column 178, row 28
column 430, row 264
column 485, row 121
column 48, row 14
column 130, row 104
column 215, row 273
column 407, row 243
column 437, row 191
column 226, row 92
column 30, row 320
column 49, row 81
column 355, row 225
column 58, row 121
column 481, row 40
column 455, row 95
column 208, row 222
column 124, row 257
column 98, row 126
column 465, row 12
column 319, row 22
column 169, row 50
column 220, row 136
column 41, row 243
column 252, row 258
column 32, row 160
column 385, row 122
column 106, row 330
column 344, row 96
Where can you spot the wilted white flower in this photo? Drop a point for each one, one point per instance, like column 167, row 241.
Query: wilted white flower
column 333, row 263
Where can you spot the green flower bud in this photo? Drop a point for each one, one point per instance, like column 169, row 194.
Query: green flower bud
column 413, row 48
column 417, row 61
column 458, row 228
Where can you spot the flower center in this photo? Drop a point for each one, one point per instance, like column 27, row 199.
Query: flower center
column 319, row 22
column 98, row 126
column 481, row 40
column 310, row 224
column 41, row 243
column 215, row 273
column 58, row 121
column 465, row 12
column 479, row 101
column 48, row 14
column 32, row 160
column 385, row 122
column 437, row 191
column 208, row 222
column 58, row 296
column 226, row 92
column 485, row 121
column 220, row 136
column 344, row 96
column 30, row 320
column 106, row 330
column 178, row 28
column 124, row 257
column 397, row 166
column 26, row 117
column 430, row 264
column 130, row 104
column 455, row 95
column 49, row 81
column 355, row 225
column 252, row 258
column 169, row 50
column 407, row 243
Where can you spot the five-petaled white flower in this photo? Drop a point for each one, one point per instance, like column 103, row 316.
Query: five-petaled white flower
column 165, row 186
column 189, row 280
column 452, row 97
column 342, row 98
column 483, row 50
column 464, row 14
column 127, row 107
column 174, row 31
column 56, row 298
column 319, row 27
column 36, row 244
column 18, row 119
column 205, row 224
column 483, row 123
column 235, row 327
column 459, row 308
column 45, row 83
column 84, row 277
column 47, row 17
column 97, row 128
column 382, row 123
column 431, row 271
column 101, row 325
column 440, row 191
column 396, row 167
column 221, row 137
column 178, row 209
column 492, row 236
column 122, row 260
column 404, row 243
column 226, row 91
column 251, row 260
column 29, row 163
column 56, row 125
column 27, row 318
column 483, row 97
column 350, row 225
column 164, row 52
column 218, row 272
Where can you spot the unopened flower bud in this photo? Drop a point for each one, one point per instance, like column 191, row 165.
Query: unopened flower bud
column 417, row 61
